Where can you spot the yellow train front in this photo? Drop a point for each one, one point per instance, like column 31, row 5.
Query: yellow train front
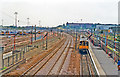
column 83, row 47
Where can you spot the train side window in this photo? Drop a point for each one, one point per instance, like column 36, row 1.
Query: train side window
column 83, row 43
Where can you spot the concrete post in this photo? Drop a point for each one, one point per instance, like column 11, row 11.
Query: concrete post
column 1, row 56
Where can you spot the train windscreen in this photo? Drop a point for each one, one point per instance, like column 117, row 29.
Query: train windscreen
column 80, row 42
column 84, row 43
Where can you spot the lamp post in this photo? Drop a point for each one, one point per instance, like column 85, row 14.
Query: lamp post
column 16, row 20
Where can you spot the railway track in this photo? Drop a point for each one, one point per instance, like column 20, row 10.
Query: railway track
column 59, row 64
column 33, row 59
column 19, row 42
column 52, row 62
column 64, row 69
column 46, row 65
column 87, row 67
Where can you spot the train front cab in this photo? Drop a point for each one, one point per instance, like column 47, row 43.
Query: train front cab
column 83, row 47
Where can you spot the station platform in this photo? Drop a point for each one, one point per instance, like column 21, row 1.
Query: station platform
column 104, row 64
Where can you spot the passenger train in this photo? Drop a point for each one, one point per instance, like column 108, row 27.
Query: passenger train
column 18, row 32
column 83, row 45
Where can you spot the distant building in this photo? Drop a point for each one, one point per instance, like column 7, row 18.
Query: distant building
column 80, row 25
column 104, row 26
column 116, row 29
column 89, row 26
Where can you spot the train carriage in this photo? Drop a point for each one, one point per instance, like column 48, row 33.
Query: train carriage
column 24, row 33
column 2, row 33
column 7, row 32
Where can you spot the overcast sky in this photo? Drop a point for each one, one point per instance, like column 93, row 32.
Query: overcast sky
column 56, row 12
